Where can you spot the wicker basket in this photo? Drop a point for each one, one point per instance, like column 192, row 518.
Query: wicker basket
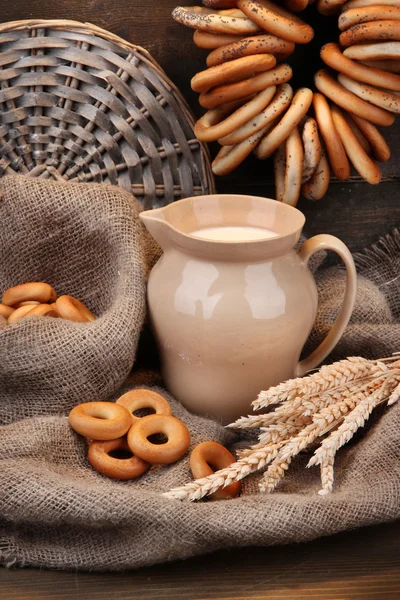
column 78, row 102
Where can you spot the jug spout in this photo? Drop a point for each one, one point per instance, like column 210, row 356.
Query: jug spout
column 157, row 225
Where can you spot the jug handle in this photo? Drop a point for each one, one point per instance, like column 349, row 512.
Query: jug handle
column 329, row 242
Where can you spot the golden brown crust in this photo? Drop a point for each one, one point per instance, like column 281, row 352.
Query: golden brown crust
column 142, row 398
column 42, row 310
column 215, row 21
column 298, row 109
column 381, row 50
column 279, row 103
column 232, row 71
column 371, row 32
column 376, row 140
column 333, row 90
column 276, row 20
column 334, row 147
column 163, row 454
column 208, row 457
column 18, row 314
column 215, row 124
column 35, row 290
column 6, row 311
column 230, row 157
column 210, row 41
column 318, row 185
column 363, row 164
column 289, row 169
column 383, row 99
column 234, row 91
column 355, row 16
column 256, row 44
column 115, row 468
column 72, row 309
column 312, row 148
column 333, row 57
column 100, row 420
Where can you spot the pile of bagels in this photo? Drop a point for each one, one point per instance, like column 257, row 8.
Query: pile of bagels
column 122, row 444
column 39, row 299
column 251, row 106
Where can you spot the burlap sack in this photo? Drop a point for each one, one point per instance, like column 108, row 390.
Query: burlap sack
column 83, row 239
column 55, row 511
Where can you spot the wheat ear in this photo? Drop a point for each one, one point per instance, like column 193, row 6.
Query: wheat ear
column 394, row 396
column 235, row 472
column 274, row 475
column 328, row 377
column 351, row 423
column 327, row 475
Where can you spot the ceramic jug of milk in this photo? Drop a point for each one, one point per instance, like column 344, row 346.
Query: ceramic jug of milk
column 232, row 303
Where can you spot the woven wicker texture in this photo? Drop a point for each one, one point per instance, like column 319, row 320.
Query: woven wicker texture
column 79, row 103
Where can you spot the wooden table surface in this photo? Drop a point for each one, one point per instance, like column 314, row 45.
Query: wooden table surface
column 359, row 565
column 363, row 564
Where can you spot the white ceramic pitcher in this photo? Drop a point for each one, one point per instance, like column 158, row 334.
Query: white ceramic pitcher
column 231, row 317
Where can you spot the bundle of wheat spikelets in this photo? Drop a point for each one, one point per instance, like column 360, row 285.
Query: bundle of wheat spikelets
column 326, row 408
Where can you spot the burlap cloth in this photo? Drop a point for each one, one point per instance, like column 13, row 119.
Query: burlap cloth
column 55, row 511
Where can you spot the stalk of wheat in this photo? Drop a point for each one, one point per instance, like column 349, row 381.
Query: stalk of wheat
column 326, row 407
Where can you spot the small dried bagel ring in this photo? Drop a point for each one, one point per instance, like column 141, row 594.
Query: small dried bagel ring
column 70, row 308
column 115, row 468
column 362, row 3
column 256, row 44
column 376, row 140
column 362, row 140
column 28, row 303
column 363, row 164
column 230, row 157
column 355, row 16
column 208, row 457
column 333, row 57
column 6, row 311
column 317, row 186
column 220, row 3
column 280, row 102
column 162, row 454
column 210, row 41
column 382, row 50
column 232, row 71
column 296, row 5
column 298, row 109
column 329, row 7
column 210, row 127
column 42, row 310
column 276, row 20
column 391, row 66
column 349, row 101
column 142, row 398
column 312, row 148
column 386, row 100
column 18, row 314
column 36, row 290
column 334, row 147
column 294, row 168
column 100, row 420
column 371, row 32
column 233, row 91
column 215, row 21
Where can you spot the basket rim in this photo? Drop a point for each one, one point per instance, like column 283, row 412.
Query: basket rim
column 92, row 29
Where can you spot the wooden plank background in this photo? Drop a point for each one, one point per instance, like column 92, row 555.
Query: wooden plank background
column 355, row 211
